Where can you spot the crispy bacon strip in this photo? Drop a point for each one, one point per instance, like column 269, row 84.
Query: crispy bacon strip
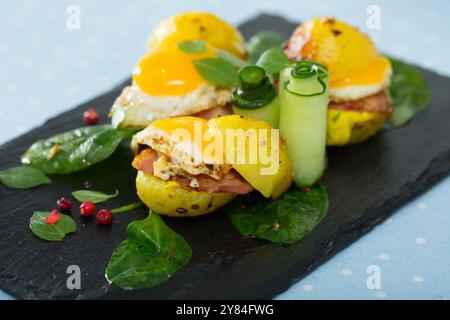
column 231, row 182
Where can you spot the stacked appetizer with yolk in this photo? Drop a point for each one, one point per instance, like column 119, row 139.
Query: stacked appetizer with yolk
column 358, row 77
column 179, row 176
column 166, row 83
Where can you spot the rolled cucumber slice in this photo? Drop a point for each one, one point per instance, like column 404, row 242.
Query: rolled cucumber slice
column 256, row 97
column 303, row 95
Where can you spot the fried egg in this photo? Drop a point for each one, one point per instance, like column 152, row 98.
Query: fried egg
column 356, row 69
column 181, row 144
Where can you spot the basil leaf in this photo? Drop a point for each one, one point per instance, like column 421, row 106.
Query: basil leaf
column 236, row 61
column 217, row 71
column 23, row 177
column 273, row 61
column 128, row 207
column 192, row 47
column 94, row 196
column 75, row 150
column 410, row 92
column 151, row 255
column 263, row 41
column 51, row 232
column 285, row 220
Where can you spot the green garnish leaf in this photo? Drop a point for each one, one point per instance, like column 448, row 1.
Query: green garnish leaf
column 51, row 232
column 236, row 61
column 410, row 92
column 150, row 255
column 285, row 220
column 263, row 41
column 273, row 61
column 193, row 46
column 94, row 196
column 75, row 150
column 128, row 207
column 217, row 71
column 23, row 177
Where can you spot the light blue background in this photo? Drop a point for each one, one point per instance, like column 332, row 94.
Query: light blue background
column 46, row 69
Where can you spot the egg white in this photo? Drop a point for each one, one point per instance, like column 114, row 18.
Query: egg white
column 134, row 107
column 356, row 92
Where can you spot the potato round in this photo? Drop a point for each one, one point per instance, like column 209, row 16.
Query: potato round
column 168, row 198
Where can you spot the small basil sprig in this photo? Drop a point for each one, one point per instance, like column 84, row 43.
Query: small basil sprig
column 75, row 150
column 285, row 221
column 23, row 177
column 51, row 232
column 217, row 71
column 150, row 255
column 94, row 196
column 273, row 61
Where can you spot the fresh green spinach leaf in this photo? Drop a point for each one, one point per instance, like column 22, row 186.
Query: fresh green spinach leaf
column 76, row 149
column 285, row 220
column 217, row 71
column 410, row 92
column 193, row 46
column 94, row 196
column 273, row 61
column 236, row 61
column 23, row 177
column 51, row 232
column 263, row 41
column 150, row 255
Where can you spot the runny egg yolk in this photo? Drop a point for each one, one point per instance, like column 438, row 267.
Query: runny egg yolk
column 376, row 73
column 168, row 73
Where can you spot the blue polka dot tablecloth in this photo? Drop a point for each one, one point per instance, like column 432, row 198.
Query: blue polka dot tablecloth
column 47, row 68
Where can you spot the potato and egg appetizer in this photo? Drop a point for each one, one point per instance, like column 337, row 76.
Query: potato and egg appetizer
column 358, row 77
column 165, row 82
column 170, row 182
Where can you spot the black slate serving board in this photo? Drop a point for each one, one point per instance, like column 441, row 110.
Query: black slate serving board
column 366, row 183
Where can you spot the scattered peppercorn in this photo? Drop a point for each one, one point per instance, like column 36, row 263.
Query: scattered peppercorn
column 53, row 217
column 87, row 184
column 104, row 216
column 87, row 208
column 90, row 116
column 64, row 204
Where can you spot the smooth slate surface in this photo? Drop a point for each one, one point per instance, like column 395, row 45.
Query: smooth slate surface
column 407, row 160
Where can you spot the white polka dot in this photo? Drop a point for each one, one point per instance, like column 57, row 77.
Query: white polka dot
column 384, row 256
column 380, row 294
column 81, row 64
column 4, row 48
column 26, row 62
column 38, row 38
column 70, row 91
column 418, row 279
column 346, row 272
column 430, row 39
column 92, row 41
column 12, row 87
column 421, row 240
column 34, row 102
column 58, row 51
column 47, row 75
column 422, row 206
column 308, row 287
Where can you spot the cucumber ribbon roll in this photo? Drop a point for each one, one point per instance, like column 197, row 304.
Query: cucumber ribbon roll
column 256, row 96
column 303, row 94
